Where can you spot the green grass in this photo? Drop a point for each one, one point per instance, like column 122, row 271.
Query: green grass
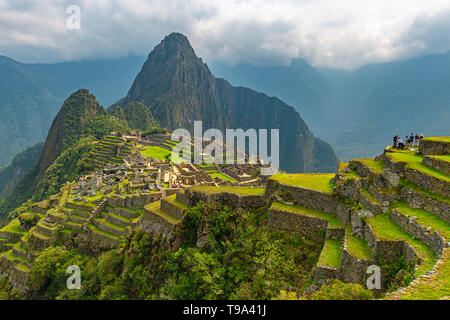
column 331, row 254
column 352, row 174
column 95, row 229
column 23, row 267
column 357, row 247
column 414, row 161
column 109, row 224
column 376, row 166
column 314, row 181
column 244, row 191
column 385, row 229
column 174, row 143
column 443, row 139
column 425, row 218
column 155, row 207
column 443, row 158
column 333, row 222
column 342, row 166
column 369, row 196
column 410, row 185
column 172, row 199
column 206, row 165
column 155, row 152
column 222, row 176
column 13, row 227
column 10, row 256
column 119, row 217
column 434, row 287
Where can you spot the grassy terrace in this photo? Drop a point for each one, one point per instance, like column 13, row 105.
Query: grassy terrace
column 117, row 216
column 342, row 166
column 333, row 222
column 155, row 207
column 13, row 227
column 155, row 152
column 109, row 224
column 95, row 229
column 331, row 254
column 425, row 218
column 414, row 161
column 433, row 287
column 427, row 193
column 221, row 176
column 10, row 256
column 316, row 181
column 172, row 199
column 443, row 139
column 443, row 158
column 385, row 229
column 243, row 191
column 357, row 247
column 376, row 166
column 369, row 196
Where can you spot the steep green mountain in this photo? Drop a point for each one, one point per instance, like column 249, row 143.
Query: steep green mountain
column 136, row 114
column 80, row 121
column 31, row 95
column 19, row 166
column 26, row 108
column 71, row 122
column 179, row 89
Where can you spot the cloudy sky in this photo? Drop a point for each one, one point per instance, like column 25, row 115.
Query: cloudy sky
column 340, row 34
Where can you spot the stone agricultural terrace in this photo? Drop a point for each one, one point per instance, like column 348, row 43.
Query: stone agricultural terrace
column 379, row 211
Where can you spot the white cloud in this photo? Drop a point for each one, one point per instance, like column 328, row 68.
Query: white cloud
column 345, row 33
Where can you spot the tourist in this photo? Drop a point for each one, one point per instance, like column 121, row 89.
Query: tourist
column 406, row 141
column 411, row 139
column 396, row 141
column 401, row 144
column 417, row 138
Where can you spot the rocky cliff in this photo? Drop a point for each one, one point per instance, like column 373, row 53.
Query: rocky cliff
column 179, row 88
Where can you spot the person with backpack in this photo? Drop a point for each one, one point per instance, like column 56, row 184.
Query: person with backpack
column 396, row 141
column 401, row 144
column 416, row 141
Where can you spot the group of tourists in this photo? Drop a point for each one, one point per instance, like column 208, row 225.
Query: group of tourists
column 410, row 141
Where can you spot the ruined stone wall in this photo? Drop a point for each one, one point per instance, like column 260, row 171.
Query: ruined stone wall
column 419, row 201
column 353, row 270
column 428, row 147
column 440, row 165
column 310, row 227
column 230, row 199
column 419, row 178
column 312, row 199
column 431, row 238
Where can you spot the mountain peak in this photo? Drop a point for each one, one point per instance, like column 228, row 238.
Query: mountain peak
column 174, row 45
column 171, row 69
column 69, row 124
column 176, row 37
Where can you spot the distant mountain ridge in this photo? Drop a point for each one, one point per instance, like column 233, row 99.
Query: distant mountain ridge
column 359, row 112
column 31, row 95
column 179, row 88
